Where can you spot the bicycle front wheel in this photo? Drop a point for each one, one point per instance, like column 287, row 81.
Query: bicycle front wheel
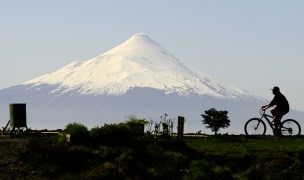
column 255, row 126
column 290, row 127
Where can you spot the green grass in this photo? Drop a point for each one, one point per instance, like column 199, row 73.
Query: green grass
column 162, row 157
column 241, row 144
column 253, row 157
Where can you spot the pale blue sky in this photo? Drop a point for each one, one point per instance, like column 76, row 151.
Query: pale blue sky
column 253, row 45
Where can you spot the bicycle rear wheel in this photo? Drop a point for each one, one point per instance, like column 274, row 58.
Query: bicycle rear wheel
column 255, row 126
column 290, row 127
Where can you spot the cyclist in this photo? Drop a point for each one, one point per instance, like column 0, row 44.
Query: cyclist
column 282, row 108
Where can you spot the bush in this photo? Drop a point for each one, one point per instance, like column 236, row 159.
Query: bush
column 78, row 132
column 137, row 125
column 112, row 134
column 132, row 119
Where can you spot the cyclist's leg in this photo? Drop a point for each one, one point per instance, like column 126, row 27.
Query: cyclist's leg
column 277, row 116
column 277, row 121
column 274, row 111
column 282, row 113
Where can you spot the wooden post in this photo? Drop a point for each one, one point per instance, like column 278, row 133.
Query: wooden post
column 180, row 127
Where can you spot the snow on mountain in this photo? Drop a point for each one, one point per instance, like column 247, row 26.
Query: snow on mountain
column 138, row 62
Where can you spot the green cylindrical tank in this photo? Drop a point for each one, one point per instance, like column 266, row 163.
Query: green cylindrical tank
column 17, row 115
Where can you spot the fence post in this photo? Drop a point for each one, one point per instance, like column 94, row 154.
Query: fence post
column 180, row 127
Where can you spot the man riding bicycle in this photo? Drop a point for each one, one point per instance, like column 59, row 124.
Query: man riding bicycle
column 282, row 108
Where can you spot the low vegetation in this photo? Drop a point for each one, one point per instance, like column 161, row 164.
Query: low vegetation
column 114, row 151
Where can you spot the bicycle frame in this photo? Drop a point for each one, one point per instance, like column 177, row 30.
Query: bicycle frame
column 267, row 116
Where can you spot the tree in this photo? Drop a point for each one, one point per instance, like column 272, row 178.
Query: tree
column 79, row 133
column 215, row 119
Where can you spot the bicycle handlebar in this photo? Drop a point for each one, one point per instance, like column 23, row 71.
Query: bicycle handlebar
column 263, row 113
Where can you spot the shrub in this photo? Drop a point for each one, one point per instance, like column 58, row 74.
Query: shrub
column 112, row 134
column 132, row 119
column 137, row 125
column 78, row 132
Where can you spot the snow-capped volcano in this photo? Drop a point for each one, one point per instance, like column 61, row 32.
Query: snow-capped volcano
column 137, row 77
column 138, row 62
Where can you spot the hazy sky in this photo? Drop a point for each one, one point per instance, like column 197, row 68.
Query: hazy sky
column 253, row 45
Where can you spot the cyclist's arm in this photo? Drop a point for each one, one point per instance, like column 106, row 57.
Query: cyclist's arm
column 267, row 106
column 272, row 103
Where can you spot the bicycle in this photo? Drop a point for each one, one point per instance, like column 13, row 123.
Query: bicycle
column 257, row 126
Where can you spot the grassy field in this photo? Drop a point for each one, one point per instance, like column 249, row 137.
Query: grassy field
column 264, row 157
column 244, row 144
column 106, row 153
